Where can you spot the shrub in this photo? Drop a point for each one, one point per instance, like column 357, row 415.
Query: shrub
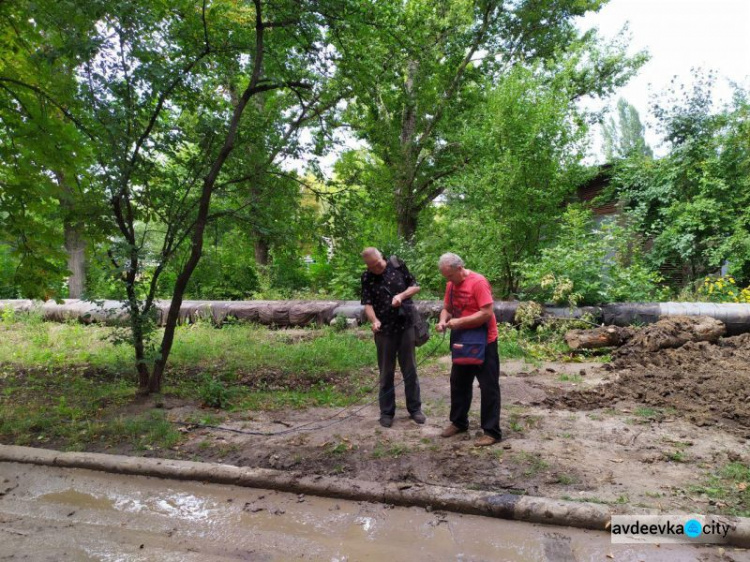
column 589, row 265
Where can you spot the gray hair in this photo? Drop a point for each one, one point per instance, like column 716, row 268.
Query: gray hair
column 451, row 260
column 370, row 251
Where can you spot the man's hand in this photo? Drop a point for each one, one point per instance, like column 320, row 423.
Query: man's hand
column 452, row 324
column 396, row 302
column 440, row 327
column 375, row 326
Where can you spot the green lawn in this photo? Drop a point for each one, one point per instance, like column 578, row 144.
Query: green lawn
column 69, row 386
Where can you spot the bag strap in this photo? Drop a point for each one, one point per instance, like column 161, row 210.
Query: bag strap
column 396, row 261
column 453, row 305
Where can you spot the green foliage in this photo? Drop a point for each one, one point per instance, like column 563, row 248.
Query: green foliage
column 213, row 393
column 227, row 270
column 588, row 265
column 9, row 288
column 415, row 109
column 624, row 138
column 339, row 323
column 288, row 272
column 528, row 145
column 693, row 203
column 723, row 289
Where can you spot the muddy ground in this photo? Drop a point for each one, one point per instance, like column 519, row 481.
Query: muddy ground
column 646, row 430
column 53, row 514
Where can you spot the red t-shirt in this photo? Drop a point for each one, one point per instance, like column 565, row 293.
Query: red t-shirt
column 469, row 296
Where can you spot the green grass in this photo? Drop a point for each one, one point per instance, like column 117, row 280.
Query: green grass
column 570, row 378
column 730, row 487
column 643, row 412
column 383, row 449
column 533, row 463
column 592, row 499
column 65, row 385
column 566, row 479
column 676, row 456
column 235, row 348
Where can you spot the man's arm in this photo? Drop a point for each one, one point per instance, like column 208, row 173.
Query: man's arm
column 370, row 313
column 482, row 316
column 401, row 297
column 445, row 316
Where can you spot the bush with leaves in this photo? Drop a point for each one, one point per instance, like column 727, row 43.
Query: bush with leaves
column 8, row 265
column 693, row 203
column 723, row 289
column 590, row 264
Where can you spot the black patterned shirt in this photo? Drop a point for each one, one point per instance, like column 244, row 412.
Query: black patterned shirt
column 379, row 290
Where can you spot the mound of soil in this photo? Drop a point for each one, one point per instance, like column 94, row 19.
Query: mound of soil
column 709, row 383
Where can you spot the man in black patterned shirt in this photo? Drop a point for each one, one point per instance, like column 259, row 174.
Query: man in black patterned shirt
column 387, row 289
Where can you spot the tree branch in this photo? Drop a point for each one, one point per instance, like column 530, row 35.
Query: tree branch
column 448, row 95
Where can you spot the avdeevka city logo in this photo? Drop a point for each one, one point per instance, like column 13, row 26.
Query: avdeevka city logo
column 693, row 528
column 668, row 528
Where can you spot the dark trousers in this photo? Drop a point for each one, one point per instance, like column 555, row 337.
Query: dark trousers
column 462, row 382
column 389, row 347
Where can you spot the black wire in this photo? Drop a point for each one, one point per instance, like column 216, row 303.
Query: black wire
column 306, row 426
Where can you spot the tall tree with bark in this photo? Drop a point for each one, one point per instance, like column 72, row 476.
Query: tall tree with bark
column 45, row 161
column 421, row 74
column 152, row 99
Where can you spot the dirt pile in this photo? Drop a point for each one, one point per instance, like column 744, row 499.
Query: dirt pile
column 709, row 383
column 672, row 332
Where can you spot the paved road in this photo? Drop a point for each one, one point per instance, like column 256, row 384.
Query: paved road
column 69, row 515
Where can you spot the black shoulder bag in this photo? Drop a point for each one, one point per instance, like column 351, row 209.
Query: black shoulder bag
column 413, row 317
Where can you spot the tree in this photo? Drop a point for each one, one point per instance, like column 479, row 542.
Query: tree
column 528, row 142
column 40, row 185
column 692, row 203
column 421, row 74
column 624, row 137
column 589, row 264
column 152, row 100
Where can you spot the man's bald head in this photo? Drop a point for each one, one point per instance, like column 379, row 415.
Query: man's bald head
column 371, row 252
column 373, row 260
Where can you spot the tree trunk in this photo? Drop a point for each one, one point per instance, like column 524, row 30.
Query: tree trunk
column 407, row 224
column 609, row 336
column 204, row 204
column 75, row 246
column 406, row 215
column 261, row 251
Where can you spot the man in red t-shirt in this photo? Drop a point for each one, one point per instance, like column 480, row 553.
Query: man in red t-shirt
column 467, row 304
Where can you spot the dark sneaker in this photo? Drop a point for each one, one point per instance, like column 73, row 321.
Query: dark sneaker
column 451, row 430
column 419, row 417
column 386, row 421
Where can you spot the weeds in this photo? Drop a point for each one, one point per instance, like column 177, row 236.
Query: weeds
column 729, row 489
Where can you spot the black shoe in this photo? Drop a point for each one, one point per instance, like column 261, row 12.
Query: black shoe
column 419, row 417
column 386, row 421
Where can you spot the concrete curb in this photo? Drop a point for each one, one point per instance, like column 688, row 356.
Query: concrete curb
column 503, row 506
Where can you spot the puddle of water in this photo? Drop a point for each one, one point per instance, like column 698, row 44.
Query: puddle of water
column 378, row 533
column 186, row 507
column 78, row 499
